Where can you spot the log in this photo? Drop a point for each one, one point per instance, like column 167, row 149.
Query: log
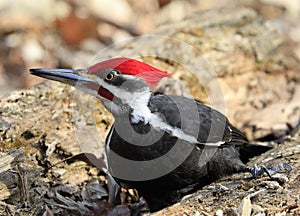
column 229, row 58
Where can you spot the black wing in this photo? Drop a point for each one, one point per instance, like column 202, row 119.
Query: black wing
column 206, row 124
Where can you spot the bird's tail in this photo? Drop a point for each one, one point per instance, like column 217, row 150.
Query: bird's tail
column 246, row 149
column 249, row 150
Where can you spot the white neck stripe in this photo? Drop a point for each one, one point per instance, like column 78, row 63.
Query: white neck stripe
column 157, row 122
column 138, row 102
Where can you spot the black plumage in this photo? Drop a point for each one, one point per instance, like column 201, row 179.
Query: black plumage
column 202, row 165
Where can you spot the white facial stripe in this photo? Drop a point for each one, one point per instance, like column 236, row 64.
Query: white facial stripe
column 121, row 93
column 138, row 101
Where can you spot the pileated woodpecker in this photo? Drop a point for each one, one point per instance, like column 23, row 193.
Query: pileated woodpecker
column 165, row 146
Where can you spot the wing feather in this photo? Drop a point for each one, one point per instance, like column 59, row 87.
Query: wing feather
column 210, row 127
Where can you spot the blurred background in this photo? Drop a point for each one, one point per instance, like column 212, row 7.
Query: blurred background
column 57, row 33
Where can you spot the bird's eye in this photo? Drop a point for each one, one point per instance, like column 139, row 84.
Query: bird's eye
column 111, row 75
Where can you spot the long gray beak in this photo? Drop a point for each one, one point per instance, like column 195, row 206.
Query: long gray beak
column 68, row 76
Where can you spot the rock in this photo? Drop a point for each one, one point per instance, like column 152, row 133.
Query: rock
column 118, row 12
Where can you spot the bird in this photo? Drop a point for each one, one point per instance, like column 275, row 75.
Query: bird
column 164, row 146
